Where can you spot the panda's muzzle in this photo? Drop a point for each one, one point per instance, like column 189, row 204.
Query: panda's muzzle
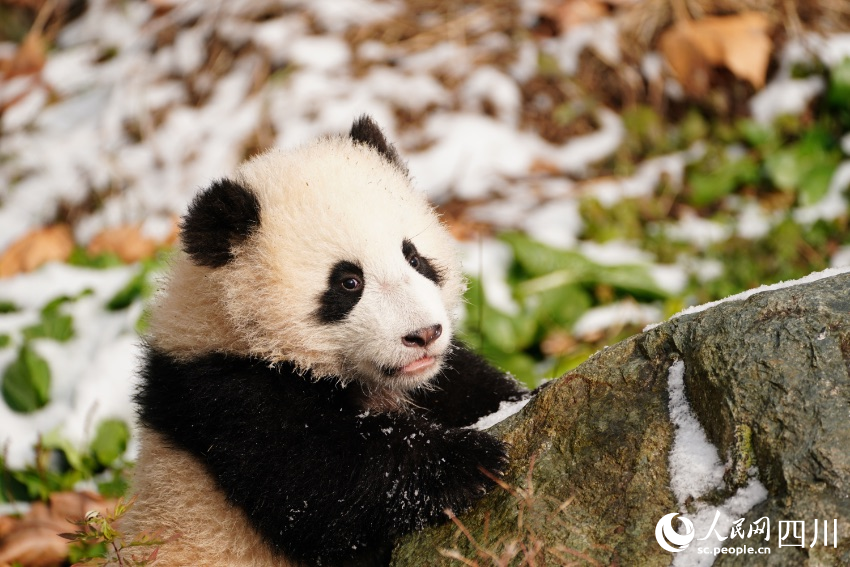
column 422, row 337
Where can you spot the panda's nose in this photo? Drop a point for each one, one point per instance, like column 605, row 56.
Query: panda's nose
column 423, row 337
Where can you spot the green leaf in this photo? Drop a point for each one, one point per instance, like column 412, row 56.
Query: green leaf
column 5, row 340
column 110, row 441
column 561, row 306
column 134, row 289
column 520, row 365
column 537, row 259
column 26, row 382
column 55, row 441
column 11, row 489
column 80, row 257
column 552, row 269
column 53, row 324
column 631, row 279
column 815, row 185
column 806, row 167
column 8, row 307
column 784, row 169
column 115, row 487
column 838, row 92
column 709, row 185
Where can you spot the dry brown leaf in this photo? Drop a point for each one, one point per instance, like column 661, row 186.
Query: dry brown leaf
column 53, row 243
column 34, row 541
column 126, row 242
column 75, row 505
column 741, row 43
column 543, row 166
column 29, row 58
column 570, row 13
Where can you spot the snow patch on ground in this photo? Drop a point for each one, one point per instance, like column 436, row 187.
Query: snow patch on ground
column 92, row 374
column 489, row 261
column 615, row 315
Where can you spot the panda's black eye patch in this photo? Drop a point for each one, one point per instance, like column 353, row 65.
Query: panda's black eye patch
column 421, row 264
column 344, row 289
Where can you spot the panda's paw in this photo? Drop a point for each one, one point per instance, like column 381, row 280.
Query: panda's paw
column 480, row 462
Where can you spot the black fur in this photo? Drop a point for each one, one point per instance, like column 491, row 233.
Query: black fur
column 220, row 217
column 424, row 266
column 321, row 480
column 366, row 131
column 337, row 302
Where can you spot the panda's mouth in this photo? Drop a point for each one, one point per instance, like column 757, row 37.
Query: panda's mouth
column 418, row 366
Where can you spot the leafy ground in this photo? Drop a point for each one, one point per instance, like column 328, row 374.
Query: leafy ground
column 603, row 164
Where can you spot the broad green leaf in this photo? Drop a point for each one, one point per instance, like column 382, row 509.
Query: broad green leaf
column 110, row 441
column 784, row 169
column 815, row 185
column 710, row 185
column 561, row 306
column 506, row 332
column 806, row 167
column 26, row 382
column 632, row 279
column 537, row 259
column 760, row 136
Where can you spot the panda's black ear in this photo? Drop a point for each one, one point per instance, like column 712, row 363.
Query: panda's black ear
column 220, row 217
column 366, row 131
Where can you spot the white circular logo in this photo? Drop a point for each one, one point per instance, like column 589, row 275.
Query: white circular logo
column 664, row 533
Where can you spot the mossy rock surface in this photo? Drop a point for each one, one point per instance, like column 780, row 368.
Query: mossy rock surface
column 767, row 377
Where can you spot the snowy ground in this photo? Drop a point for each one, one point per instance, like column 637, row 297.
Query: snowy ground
column 142, row 103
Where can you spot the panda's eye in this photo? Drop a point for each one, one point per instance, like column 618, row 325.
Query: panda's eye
column 414, row 261
column 351, row 283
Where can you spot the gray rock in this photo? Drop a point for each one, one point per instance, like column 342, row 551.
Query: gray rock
column 769, row 380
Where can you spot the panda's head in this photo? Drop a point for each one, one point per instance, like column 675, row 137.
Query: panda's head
column 323, row 256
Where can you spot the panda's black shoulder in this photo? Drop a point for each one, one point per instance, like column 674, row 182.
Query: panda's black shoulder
column 216, row 392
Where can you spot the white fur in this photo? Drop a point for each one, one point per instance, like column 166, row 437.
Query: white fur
column 327, row 201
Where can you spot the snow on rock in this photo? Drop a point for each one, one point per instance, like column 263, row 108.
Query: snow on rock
column 695, row 466
column 695, row 470
column 506, row 410
column 813, row 277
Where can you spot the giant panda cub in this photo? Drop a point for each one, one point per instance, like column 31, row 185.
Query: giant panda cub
column 302, row 399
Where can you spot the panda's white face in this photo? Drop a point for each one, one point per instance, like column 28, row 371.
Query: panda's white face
column 345, row 270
